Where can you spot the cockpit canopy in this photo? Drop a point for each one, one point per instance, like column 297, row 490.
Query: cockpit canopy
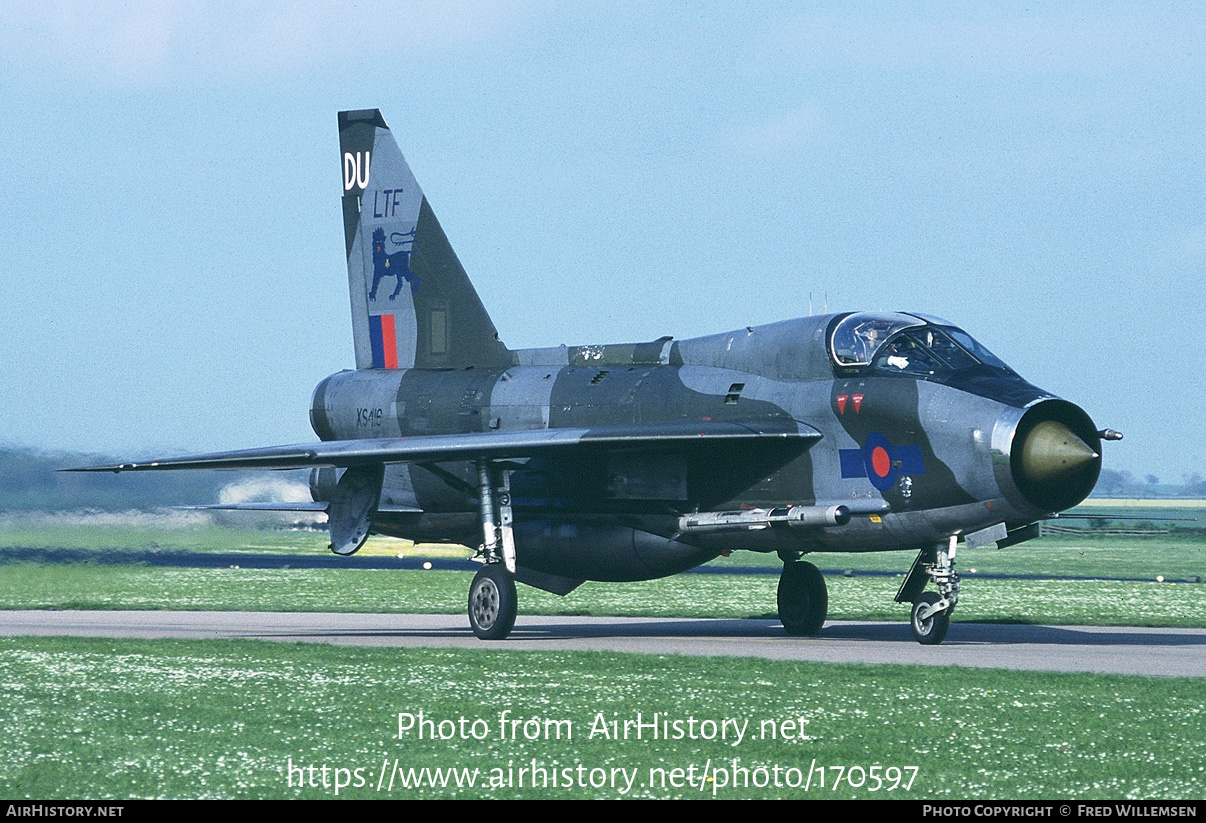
column 906, row 344
column 858, row 337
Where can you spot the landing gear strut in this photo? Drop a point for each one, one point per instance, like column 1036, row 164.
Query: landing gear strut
column 931, row 616
column 493, row 603
column 803, row 598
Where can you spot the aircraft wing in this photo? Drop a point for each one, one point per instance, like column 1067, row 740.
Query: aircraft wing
column 488, row 445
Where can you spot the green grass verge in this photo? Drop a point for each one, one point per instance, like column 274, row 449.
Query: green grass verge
column 1056, row 555
column 95, row 718
column 1171, row 555
column 86, row 586
column 147, row 532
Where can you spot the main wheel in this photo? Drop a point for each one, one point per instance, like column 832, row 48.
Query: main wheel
column 803, row 599
column 492, row 602
column 932, row 630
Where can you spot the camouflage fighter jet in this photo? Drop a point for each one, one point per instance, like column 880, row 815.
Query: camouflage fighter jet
column 840, row 433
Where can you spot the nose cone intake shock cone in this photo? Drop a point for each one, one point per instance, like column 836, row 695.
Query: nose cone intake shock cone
column 1054, row 457
column 1051, row 451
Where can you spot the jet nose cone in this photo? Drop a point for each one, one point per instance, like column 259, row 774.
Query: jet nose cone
column 1053, row 455
column 1052, row 450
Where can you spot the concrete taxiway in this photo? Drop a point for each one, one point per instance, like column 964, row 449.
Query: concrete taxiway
column 1113, row 650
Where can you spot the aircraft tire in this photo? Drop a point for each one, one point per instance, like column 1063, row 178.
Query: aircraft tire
column 493, row 603
column 932, row 630
column 803, row 599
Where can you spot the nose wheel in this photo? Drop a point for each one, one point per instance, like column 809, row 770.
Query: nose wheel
column 930, row 621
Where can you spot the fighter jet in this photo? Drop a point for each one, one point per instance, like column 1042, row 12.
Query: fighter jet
column 851, row 432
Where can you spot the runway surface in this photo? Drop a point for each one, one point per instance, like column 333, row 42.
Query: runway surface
column 1161, row 652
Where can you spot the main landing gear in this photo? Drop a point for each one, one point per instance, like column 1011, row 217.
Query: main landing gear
column 803, row 598
column 931, row 616
column 493, row 603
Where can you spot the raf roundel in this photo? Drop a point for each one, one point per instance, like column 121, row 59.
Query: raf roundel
column 881, row 462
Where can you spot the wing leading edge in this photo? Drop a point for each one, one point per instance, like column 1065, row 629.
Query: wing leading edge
column 484, row 445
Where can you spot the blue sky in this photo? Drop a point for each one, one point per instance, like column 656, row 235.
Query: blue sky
column 173, row 272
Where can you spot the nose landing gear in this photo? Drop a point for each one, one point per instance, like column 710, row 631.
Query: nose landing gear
column 929, row 622
column 931, row 616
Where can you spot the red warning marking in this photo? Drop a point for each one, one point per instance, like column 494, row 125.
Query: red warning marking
column 389, row 341
column 841, row 400
column 880, row 462
column 858, row 402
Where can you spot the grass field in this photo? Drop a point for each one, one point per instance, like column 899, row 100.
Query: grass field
column 1127, row 503
column 110, row 718
column 137, row 532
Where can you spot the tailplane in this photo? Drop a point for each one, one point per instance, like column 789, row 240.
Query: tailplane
column 412, row 303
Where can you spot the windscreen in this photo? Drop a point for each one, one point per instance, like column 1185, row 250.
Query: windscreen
column 895, row 343
column 930, row 351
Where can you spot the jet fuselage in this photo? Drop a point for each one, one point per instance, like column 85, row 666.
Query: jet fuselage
column 915, row 458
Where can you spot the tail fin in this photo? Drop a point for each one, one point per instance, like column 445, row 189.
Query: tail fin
column 412, row 303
